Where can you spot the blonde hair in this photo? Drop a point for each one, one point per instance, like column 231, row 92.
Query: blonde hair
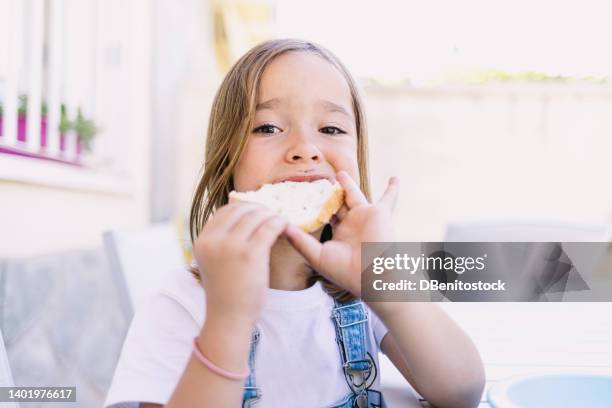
column 229, row 127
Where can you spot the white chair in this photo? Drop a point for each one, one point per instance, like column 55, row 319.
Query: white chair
column 6, row 377
column 140, row 256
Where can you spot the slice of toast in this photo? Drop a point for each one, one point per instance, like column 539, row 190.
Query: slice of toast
column 309, row 205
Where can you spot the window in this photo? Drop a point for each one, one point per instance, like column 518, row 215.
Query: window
column 65, row 93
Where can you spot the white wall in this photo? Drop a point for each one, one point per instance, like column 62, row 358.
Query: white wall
column 492, row 151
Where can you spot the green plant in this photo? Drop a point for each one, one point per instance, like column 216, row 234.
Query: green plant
column 85, row 128
column 22, row 106
column 65, row 125
column 22, row 109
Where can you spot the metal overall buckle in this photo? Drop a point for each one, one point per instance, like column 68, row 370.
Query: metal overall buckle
column 361, row 380
column 362, row 400
column 358, row 378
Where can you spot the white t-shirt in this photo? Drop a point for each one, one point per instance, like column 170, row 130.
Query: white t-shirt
column 297, row 360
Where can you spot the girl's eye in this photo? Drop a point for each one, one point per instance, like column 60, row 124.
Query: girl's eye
column 332, row 130
column 267, row 128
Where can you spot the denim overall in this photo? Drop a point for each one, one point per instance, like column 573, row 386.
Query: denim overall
column 350, row 320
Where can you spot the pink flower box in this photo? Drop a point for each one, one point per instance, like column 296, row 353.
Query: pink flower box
column 22, row 137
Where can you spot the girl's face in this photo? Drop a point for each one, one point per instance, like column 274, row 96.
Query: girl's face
column 304, row 125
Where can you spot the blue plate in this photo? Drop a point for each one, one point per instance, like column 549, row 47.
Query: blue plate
column 552, row 390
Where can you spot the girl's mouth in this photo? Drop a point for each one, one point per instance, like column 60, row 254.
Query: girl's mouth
column 304, row 177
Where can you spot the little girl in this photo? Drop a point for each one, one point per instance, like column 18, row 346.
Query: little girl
column 270, row 314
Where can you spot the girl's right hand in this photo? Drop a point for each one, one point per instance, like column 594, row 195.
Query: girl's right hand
column 233, row 255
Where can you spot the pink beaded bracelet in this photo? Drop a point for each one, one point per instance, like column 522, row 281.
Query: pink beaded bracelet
column 217, row 370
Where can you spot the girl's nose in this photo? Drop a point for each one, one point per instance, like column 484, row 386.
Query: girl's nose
column 305, row 156
column 304, row 151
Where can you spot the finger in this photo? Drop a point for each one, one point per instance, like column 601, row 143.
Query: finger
column 389, row 197
column 268, row 232
column 339, row 215
column 309, row 247
column 249, row 222
column 224, row 219
column 354, row 196
column 342, row 212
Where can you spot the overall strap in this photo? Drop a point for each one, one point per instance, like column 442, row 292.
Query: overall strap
column 350, row 320
column 251, row 393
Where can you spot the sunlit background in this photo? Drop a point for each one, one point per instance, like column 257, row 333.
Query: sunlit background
column 484, row 109
column 427, row 42
column 490, row 112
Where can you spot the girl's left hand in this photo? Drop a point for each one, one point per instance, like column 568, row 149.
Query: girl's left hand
column 339, row 259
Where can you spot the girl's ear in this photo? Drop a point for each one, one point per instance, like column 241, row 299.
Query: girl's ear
column 326, row 235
